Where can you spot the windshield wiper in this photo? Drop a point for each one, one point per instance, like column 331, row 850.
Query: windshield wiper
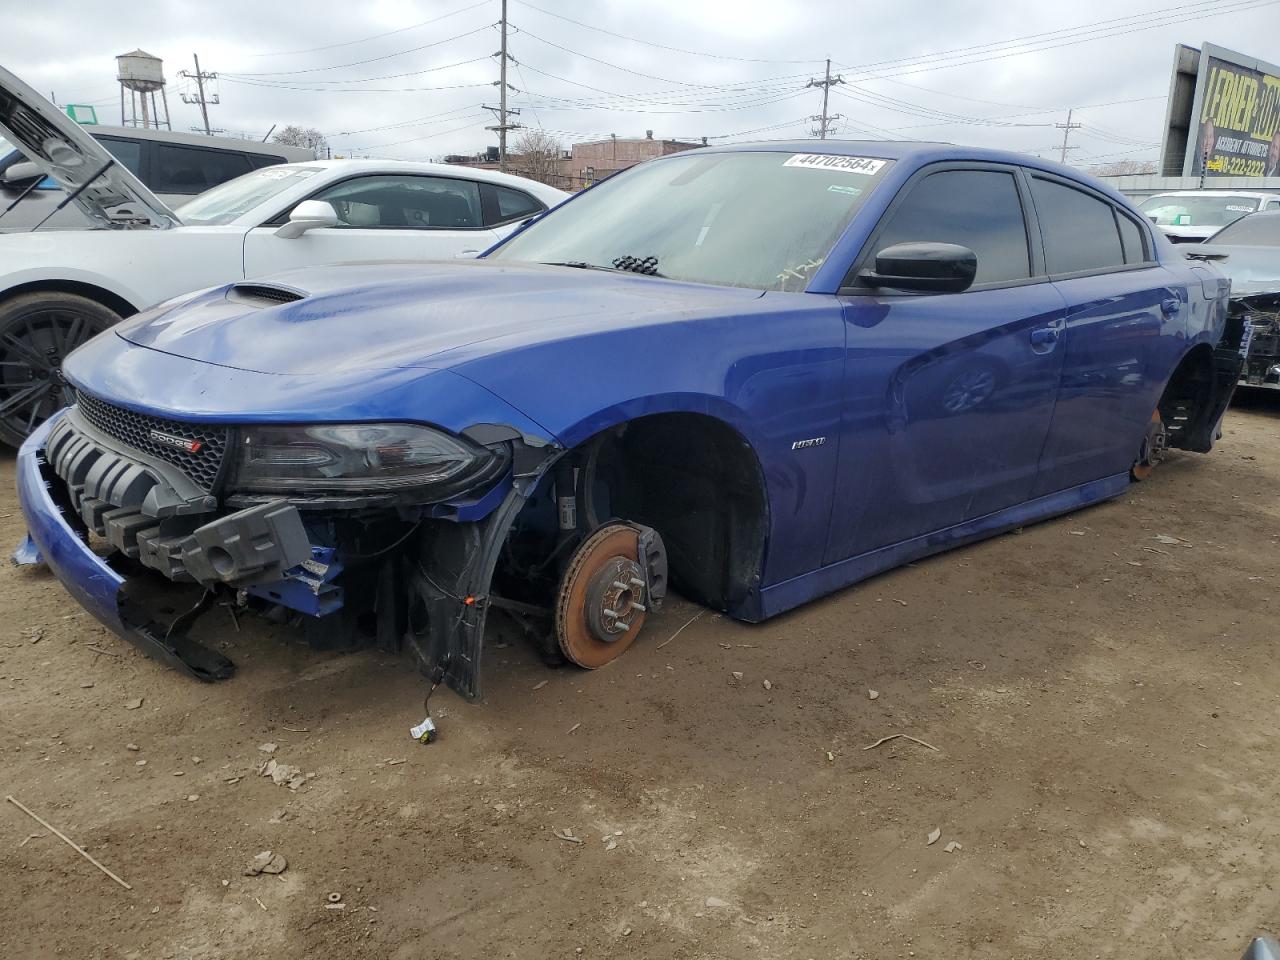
column 578, row 265
column 645, row 265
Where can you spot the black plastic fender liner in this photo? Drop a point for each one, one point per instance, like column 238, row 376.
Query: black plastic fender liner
column 1228, row 360
column 449, row 579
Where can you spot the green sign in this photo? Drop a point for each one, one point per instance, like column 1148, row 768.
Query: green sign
column 82, row 113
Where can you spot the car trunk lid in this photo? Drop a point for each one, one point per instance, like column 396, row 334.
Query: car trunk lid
column 60, row 148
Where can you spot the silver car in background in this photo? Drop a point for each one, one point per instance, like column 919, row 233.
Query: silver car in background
column 175, row 166
column 1192, row 216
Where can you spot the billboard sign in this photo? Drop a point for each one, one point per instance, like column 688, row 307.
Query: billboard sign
column 1232, row 126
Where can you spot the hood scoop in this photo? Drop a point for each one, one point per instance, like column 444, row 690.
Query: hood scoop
column 263, row 294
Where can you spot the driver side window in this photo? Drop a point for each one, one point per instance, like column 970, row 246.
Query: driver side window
column 978, row 209
column 405, row 202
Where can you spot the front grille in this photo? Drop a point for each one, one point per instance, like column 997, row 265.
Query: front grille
column 138, row 430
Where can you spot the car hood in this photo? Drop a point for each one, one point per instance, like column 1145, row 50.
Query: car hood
column 1252, row 270
column 335, row 319
column 64, row 151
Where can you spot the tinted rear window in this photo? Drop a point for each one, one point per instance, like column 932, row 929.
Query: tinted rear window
column 514, row 204
column 179, row 169
column 128, row 152
column 1132, row 239
column 1079, row 230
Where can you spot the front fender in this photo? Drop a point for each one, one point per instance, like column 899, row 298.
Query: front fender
column 36, row 259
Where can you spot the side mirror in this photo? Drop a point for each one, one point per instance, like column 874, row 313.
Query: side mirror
column 927, row 267
column 21, row 174
column 308, row 215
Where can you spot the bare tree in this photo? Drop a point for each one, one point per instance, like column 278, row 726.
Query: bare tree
column 1120, row 168
column 296, row 136
column 537, row 156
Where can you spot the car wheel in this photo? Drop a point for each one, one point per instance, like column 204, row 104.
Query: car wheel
column 37, row 330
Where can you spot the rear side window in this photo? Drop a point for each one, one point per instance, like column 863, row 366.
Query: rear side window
column 260, row 160
column 515, row 204
column 1079, row 230
column 128, row 152
column 978, row 209
column 1131, row 238
column 179, row 169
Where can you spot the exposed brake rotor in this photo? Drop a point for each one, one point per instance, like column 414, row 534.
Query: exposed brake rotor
column 605, row 593
column 1154, row 445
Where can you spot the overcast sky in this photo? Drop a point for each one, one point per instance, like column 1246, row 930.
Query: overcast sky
column 922, row 69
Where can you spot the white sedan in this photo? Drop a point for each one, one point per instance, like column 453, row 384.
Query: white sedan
column 59, row 289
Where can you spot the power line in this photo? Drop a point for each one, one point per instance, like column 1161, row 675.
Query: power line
column 660, row 46
column 376, row 36
column 286, row 86
column 1029, row 38
column 605, row 63
column 922, row 65
column 406, row 123
column 386, row 76
column 358, row 63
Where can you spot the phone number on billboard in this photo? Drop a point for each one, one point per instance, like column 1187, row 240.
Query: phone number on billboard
column 1236, row 166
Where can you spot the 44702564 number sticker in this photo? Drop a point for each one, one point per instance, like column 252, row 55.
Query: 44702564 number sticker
column 826, row 161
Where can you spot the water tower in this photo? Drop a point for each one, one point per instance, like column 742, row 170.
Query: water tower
column 142, row 75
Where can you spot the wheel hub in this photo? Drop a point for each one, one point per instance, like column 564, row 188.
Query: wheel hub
column 1154, row 446
column 605, row 594
column 614, row 596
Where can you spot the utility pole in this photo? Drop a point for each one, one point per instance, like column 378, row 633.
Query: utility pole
column 199, row 77
column 824, row 121
column 1066, row 129
column 501, row 110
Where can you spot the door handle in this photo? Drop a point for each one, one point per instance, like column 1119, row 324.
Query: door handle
column 1045, row 337
column 1170, row 306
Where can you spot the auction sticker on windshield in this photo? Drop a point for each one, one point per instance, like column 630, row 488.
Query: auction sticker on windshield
column 826, row 161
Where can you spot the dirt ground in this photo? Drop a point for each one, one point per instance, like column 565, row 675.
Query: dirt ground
column 1103, row 706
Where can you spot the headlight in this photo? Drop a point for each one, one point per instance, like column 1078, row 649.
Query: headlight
column 360, row 457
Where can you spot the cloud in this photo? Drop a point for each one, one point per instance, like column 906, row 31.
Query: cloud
column 418, row 92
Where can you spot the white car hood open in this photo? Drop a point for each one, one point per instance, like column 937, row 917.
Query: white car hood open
column 64, row 151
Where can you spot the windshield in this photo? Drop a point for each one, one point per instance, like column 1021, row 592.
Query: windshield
column 227, row 201
column 1169, row 211
column 1260, row 231
column 752, row 219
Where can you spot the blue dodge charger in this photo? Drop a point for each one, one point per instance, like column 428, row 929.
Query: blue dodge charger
column 756, row 373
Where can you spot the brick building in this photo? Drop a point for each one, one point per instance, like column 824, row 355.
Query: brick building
column 587, row 163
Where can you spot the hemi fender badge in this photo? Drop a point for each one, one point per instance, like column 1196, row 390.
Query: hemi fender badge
column 178, row 443
column 811, row 442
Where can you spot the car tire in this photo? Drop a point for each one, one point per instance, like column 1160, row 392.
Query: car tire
column 37, row 331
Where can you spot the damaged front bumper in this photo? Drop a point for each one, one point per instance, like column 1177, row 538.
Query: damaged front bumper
column 98, row 587
column 79, row 487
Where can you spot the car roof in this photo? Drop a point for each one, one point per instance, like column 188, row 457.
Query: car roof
column 1252, row 194
column 202, row 140
column 436, row 169
column 919, row 153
